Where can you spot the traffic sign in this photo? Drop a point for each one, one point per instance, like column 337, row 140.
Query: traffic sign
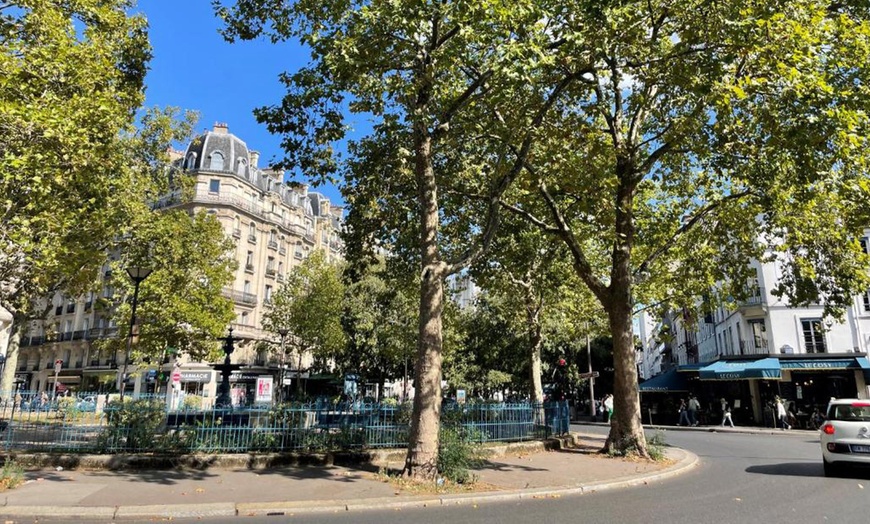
column 58, row 364
column 176, row 377
column 591, row 374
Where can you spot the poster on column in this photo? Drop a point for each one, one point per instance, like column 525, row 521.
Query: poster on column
column 264, row 388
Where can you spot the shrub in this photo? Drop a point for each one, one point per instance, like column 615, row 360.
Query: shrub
column 11, row 475
column 458, row 452
column 132, row 425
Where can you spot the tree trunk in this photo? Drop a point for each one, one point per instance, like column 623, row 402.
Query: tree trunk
column 421, row 462
column 626, row 429
column 7, row 381
column 536, row 340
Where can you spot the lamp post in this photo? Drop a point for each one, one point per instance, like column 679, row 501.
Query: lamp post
column 283, row 332
column 137, row 275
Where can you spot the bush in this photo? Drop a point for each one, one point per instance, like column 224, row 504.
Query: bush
column 655, row 446
column 458, row 452
column 191, row 403
column 11, row 475
column 132, row 425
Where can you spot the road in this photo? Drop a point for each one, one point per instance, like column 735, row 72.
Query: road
column 741, row 478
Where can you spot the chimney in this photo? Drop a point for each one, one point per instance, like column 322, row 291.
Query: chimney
column 255, row 157
column 221, row 128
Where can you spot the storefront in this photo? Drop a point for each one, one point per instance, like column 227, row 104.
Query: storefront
column 745, row 385
column 809, row 382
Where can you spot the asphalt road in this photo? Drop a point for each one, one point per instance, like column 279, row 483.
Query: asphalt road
column 741, row 478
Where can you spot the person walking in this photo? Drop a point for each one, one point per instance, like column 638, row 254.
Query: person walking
column 608, row 406
column 693, row 408
column 782, row 415
column 684, row 413
column 726, row 415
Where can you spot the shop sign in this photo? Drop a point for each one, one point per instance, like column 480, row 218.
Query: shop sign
column 817, row 364
column 264, row 388
column 196, row 376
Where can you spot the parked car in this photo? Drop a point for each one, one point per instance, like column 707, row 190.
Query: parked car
column 845, row 435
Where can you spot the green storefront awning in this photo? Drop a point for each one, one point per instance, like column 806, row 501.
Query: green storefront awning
column 766, row 368
column 666, row 382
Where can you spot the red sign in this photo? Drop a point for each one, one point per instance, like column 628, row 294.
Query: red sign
column 176, row 377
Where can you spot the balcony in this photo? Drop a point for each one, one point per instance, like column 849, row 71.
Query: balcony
column 252, row 239
column 237, row 233
column 270, row 271
column 280, row 277
column 754, row 297
column 82, row 334
column 249, row 268
column 78, row 364
column 282, row 250
column 272, row 245
column 240, row 297
column 37, row 341
column 754, row 347
column 298, row 254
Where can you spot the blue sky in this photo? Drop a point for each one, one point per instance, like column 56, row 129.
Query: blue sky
column 194, row 68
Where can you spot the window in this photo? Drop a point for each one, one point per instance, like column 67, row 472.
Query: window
column 241, row 170
column 864, row 245
column 758, row 332
column 217, row 161
column 67, row 326
column 249, row 261
column 268, row 295
column 190, row 163
column 244, row 320
column 247, row 288
column 214, row 186
column 86, row 324
column 814, row 336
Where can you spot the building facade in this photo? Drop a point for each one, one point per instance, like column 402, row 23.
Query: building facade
column 274, row 226
column 763, row 347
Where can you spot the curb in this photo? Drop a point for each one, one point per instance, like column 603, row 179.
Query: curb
column 686, row 460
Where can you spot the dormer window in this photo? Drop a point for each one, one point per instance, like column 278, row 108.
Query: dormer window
column 242, row 168
column 217, row 161
column 190, row 163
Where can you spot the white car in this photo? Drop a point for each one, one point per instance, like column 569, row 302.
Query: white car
column 845, row 435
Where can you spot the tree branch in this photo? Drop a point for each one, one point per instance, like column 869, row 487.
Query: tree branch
column 492, row 220
column 444, row 122
column 703, row 212
column 581, row 263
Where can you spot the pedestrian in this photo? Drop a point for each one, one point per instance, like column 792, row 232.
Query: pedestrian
column 43, row 398
column 726, row 415
column 693, row 408
column 684, row 413
column 608, row 407
column 782, row 415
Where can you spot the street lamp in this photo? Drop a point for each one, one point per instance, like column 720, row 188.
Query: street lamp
column 137, row 275
column 283, row 332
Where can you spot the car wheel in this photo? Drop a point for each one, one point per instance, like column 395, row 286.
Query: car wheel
column 831, row 470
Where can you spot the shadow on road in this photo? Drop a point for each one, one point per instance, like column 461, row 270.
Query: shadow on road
column 790, row 469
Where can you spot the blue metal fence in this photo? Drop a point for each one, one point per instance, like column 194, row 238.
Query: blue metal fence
column 88, row 423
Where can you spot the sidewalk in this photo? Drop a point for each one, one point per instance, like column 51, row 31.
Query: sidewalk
column 522, row 472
